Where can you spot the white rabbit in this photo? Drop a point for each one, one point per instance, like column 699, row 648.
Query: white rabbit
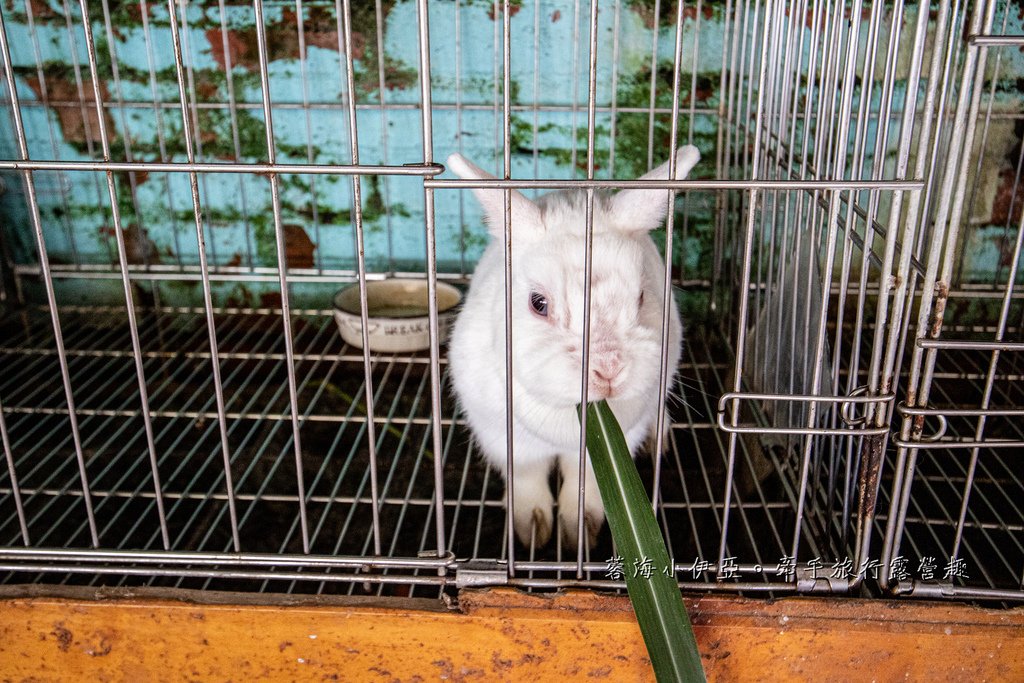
column 548, row 242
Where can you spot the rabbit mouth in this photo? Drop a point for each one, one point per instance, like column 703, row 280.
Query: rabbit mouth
column 600, row 389
column 606, row 377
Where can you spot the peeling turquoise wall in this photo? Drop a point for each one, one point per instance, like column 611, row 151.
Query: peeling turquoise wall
column 549, row 69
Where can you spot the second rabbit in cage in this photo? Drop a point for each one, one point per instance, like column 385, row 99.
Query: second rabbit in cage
column 548, row 284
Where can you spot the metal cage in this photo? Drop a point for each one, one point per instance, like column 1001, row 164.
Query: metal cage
column 186, row 184
column 959, row 431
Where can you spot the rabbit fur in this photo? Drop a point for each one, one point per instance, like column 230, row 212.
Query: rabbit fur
column 627, row 299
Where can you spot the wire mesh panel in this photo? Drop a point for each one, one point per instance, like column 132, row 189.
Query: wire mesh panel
column 187, row 399
column 954, row 525
column 187, row 185
column 815, row 272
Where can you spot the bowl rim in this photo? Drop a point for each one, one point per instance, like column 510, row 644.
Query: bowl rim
column 416, row 281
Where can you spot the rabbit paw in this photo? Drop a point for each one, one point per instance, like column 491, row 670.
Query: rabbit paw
column 593, row 517
column 592, row 523
column 533, row 519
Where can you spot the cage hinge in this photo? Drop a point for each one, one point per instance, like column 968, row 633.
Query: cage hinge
column 812, row 580
column 476, row 574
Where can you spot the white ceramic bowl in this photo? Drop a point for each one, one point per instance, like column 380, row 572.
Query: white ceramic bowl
column 397, row 317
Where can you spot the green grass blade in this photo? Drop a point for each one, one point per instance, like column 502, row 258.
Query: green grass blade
column 656, row 599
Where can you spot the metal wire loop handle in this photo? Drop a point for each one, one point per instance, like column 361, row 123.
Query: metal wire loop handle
column 846, row 412
column 859, row 395
column 904, row 409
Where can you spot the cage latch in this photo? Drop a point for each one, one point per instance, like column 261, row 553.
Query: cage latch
column 477, row 573
column 816, row 580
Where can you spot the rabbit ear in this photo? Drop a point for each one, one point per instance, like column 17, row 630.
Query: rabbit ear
column 525, row 214
column 644, row 210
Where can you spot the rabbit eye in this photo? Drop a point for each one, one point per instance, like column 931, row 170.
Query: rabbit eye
column 539, row 304
column 640, row 301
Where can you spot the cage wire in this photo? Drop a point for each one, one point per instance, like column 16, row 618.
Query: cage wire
column 186, row 185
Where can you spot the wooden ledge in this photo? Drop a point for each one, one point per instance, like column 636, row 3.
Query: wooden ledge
column 494, row 635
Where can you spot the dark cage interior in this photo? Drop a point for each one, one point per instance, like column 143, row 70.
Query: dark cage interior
column 185, row 186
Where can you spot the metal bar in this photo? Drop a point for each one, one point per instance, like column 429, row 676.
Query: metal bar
column 433, row 509
column 944, row 518
column 13, row 476
column 115, row 70
column 133, row 327
column 859, row 160
column 990, row 378
column 744, row 303
column 189, row 136
column 947, row 590
column 233, row 108
column 300, row 24
column 282, row 264
column 799, row 431
column 216, row 274
column 695, row 586
column 980, row 158
column 967, row 345
column 722, row 141
column 150, row 572
column 695, row 61
column 653, row 87
column 157, row 109
column 988, row 40
column 903, row 409
column 669, row 300
column 82, row 103
column 614, row 86
column 426, row 101
column 384, row 140
column 188, row 48
column 582, row 539
column 212, row 414
column 54, row 145
column 240, row 355
column 361, row 500
column 44, row 264
column 887, row 380
column 575, row 84
column 145, row 557
column 334, row 105
column 269, row 168
column 703, row 184
column 458, row 127
column 916, row 445
column 507, row 244
column 736, row 503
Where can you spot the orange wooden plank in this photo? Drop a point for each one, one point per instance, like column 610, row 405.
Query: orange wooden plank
column 496, row 635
